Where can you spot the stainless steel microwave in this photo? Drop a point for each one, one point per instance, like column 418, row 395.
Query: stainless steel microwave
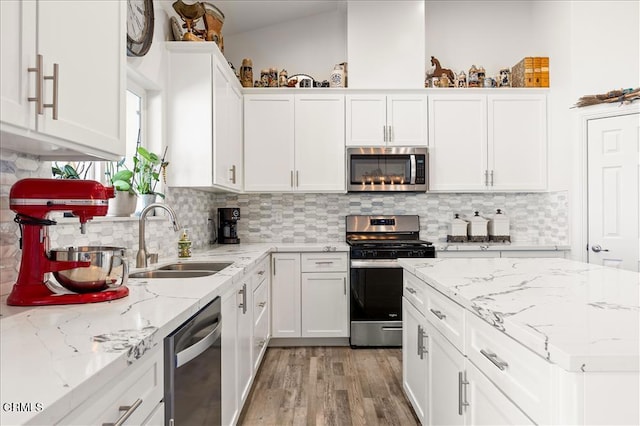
column 392, row 169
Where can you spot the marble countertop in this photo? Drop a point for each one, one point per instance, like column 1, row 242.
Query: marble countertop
column 54, row 357
column 446, row 246
column 579, row 316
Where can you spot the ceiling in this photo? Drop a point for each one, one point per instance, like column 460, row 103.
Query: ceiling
column 249, row 15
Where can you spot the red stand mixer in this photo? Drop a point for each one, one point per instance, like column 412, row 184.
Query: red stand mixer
column 32, row 200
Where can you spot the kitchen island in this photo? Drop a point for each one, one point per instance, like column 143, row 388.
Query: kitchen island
column 53, row 358
column 578, row 326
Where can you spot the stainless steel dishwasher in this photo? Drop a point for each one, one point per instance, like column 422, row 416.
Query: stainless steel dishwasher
column 192, row 386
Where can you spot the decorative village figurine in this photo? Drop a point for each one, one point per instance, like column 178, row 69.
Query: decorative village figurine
column 473, row 77
column 505, row 78
column 461, row 79
column 246, row 73
column 264, row 77
column 481, row 76
column 273, row 77
column 282, row 81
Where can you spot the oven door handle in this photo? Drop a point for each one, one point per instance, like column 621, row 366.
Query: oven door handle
column 198, row 348
column 360, row 264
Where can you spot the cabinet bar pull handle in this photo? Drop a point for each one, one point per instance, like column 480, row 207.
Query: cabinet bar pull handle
column 128, row 411
column 39, row 83
column 324, row 262
column 292, row 178
column 462, row 398
column 274, row 266
column 54, row 77
column 486, row 178
column 262, row 304
column 439, row 314
column 344, row 285
column 420, row 341
column 233, row 173
column 502, row 365
column 384, row 133
column 491, row 177
column 244, row 298
column 390, row 137
column 297, row 179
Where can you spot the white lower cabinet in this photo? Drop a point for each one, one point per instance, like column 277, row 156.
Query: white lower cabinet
column 446, row 367
column 415, row 360
column 441, row 383
column 240, row 357
column 134, row 395
column 309, row 295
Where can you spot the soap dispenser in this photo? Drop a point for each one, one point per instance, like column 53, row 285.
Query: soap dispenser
column 184, row 245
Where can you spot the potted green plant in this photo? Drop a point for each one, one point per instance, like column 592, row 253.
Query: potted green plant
column 122, row 180
column 148, row 167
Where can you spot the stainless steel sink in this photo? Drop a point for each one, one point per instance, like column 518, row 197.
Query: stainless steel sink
column 158, row 273
column 195, row 266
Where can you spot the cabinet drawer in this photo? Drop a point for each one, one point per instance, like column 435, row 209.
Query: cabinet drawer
column 413, row 290
column 445, row 315
column 260, row 338
column 260, row 301
column 518, row 372
column 324, row 262
column 260, row 272
column 143, row 380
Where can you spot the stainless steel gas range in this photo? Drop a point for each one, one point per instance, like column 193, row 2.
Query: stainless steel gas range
column 377, row 242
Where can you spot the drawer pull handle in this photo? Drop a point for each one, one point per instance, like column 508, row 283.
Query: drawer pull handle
column 439, row 314
column 325, row 262
column 502, row 365
column 128, row 411
column 411, row 290
column 261, row 272
column 262, row 304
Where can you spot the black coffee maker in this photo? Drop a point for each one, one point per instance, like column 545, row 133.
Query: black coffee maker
column 228, row 225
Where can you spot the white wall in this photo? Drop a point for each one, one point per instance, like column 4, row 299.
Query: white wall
column 311, row 45
column 494, row 34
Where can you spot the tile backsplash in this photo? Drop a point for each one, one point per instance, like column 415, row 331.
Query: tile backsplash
column 537, row 218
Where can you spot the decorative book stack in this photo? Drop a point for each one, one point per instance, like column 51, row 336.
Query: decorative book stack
column 531, row 72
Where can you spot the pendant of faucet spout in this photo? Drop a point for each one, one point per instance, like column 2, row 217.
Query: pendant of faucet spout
column 141, row 257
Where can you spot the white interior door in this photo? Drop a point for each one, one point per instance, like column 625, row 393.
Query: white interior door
column 613, row 160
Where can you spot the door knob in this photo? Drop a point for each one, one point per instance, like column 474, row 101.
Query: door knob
column 597, row 249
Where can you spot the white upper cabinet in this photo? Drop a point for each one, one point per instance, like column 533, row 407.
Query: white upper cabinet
column 204, row 115
column 319, row 143
column 294, row 143
column 517, row 156
column 386, row 120
column 457, row 142
column 269, row 143
column 81, row 83
column 227, row 127
column 483, row 142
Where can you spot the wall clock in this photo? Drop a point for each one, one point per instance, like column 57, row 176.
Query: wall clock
column 139, row 26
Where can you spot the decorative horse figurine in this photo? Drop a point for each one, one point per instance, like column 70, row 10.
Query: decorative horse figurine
column 439, row 70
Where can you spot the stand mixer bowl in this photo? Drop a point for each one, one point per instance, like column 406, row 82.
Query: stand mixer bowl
column 108, row 268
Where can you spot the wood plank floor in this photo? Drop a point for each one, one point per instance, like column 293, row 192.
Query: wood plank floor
column 328, row 386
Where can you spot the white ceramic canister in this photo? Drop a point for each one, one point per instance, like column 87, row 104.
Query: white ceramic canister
column 499, row 227
column 457, row 230
column 477, row 229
